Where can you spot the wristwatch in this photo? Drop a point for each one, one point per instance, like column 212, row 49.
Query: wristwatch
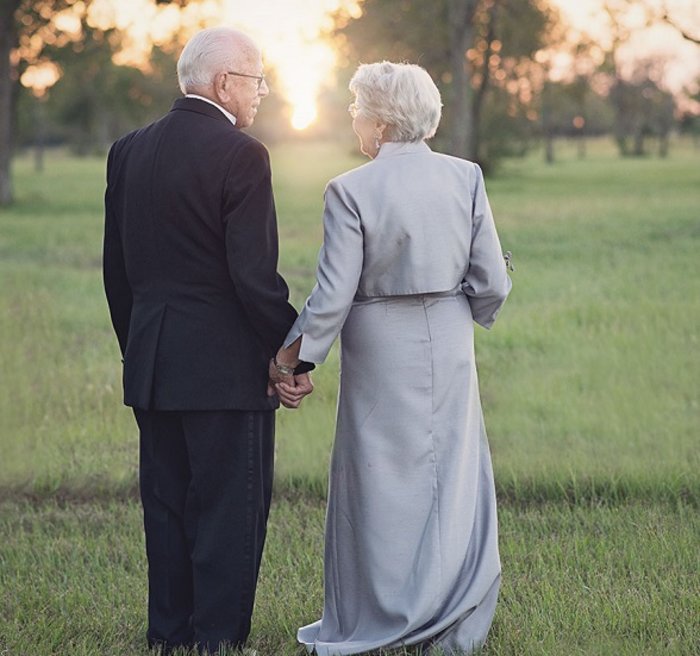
column 284, row 369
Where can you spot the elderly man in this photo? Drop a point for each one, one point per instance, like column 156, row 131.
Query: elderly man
column 190, row 273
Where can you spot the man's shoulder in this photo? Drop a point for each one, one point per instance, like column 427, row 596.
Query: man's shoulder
column 123, row 142
column 250, row 143
column 225, row 139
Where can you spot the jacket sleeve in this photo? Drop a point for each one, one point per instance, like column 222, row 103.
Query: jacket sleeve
column 116, row 283
column 486, row 282
column 338, row 275
column 252, row 248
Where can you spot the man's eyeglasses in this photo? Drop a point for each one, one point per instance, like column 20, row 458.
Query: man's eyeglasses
column 258, row 78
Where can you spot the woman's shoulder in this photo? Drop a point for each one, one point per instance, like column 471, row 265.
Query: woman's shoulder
column 465, row 169
column 372, row 173
column 352, row 177
column 457, row 161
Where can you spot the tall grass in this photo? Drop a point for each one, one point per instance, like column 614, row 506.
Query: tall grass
column 588, row 378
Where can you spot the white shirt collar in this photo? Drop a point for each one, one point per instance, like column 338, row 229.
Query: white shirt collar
column 226, row 113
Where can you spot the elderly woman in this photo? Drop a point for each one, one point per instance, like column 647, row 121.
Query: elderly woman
column 410, row 259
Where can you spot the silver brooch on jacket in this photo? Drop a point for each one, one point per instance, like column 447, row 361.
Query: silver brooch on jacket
column 508, row 257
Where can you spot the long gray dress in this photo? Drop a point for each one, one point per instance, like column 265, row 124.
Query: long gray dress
column 410, row 260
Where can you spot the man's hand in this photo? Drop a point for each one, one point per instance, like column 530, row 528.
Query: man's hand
column 276, row 377
column 291, row 395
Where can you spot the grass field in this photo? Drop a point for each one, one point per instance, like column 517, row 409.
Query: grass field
column 589, row 383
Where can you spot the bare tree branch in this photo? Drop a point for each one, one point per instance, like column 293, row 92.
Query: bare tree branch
column 686, row 35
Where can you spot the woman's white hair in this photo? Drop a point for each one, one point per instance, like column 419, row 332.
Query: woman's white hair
column 209, row 52
column 403, row 96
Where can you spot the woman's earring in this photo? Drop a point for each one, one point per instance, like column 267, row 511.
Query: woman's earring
column 377, row 143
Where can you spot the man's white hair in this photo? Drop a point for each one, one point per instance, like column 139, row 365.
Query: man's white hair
column 403, row 96
column 211, row 51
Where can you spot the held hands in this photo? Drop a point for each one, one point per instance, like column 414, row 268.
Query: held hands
column 289, row 388
column 292, row 395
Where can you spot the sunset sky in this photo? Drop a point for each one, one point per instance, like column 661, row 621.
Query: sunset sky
column 289, row 32
column 661, row 41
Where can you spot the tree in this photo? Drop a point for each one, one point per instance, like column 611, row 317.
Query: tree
column 480, row 52
column 684, row 33
column 642, row 109
column 96, row 100
column 643, row 106
column 461, row 18
column 573, row 104
column 689, row 122
column 25, row 29
column 8, row 39
column 22, row 23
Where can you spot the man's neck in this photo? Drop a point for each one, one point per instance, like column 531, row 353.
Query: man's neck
column 225, row 112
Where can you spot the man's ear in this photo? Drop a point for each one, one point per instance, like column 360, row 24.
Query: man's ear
column 221, row 87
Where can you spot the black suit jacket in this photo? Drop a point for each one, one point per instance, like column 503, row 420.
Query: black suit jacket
column 190, row 263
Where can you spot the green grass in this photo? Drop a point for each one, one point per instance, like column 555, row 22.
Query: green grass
column 589, row 383
column 577, row 580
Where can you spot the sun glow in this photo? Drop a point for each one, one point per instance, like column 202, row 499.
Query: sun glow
column 304, row 114
column 288, row 31
column 290, row 35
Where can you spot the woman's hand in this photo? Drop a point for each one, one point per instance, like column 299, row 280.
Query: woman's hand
column 291, row 395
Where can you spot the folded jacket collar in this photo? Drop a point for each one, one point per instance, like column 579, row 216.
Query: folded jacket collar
column 199, row 107
column 391, row 148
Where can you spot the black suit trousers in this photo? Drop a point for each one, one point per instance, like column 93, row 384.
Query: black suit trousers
column 206, row 483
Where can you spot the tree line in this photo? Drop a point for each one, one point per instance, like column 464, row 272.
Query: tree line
column 492, row 59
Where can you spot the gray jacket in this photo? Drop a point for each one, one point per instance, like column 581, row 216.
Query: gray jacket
column 411, row 221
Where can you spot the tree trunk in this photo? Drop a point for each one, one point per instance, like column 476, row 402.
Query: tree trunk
column 474, row 146
column 39, row 135
column 7, row 41
column 549, row 148
column 622, row 145
column 547, row 128
column 461, row 21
